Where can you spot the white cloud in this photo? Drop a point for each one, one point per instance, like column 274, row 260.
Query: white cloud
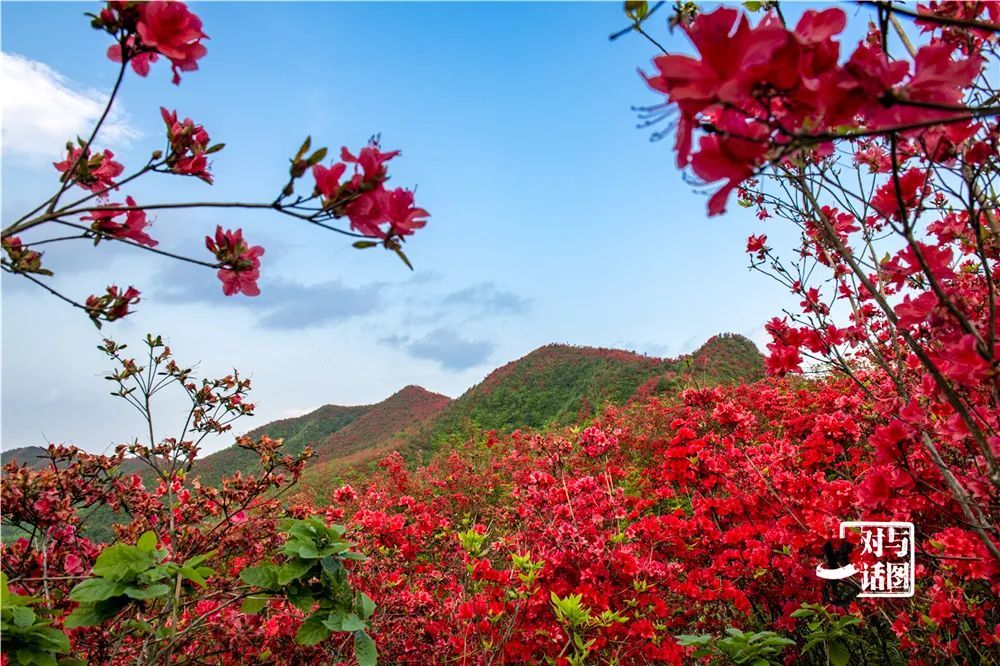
column 42, row 110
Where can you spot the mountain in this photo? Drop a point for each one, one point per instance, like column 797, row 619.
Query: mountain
column 298, row 433
column 558, row 385
column 553, row 386
column 729, row 358
column 33, row 456
column 379, row 431
column 351, row 433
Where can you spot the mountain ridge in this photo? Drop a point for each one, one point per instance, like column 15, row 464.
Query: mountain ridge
column 553, row 385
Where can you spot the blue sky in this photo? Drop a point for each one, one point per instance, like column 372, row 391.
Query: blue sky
column 554, row 219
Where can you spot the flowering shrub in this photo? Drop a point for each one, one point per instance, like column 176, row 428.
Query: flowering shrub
column 176, row 574
column 710, row 513
column 898, row 273
column 143, row 32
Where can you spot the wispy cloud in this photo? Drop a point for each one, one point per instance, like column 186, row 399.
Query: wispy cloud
column 282, row 304
column 42, row 110
column 488, row 299
column 445, row 347
column 295, row 306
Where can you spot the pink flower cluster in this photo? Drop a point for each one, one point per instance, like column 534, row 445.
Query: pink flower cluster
column 147, row 30
column 241, row 261
column 372, row 209
column 189, row 146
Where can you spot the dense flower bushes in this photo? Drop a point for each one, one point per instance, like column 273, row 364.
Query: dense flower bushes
column 667, row 518
column 684, row 515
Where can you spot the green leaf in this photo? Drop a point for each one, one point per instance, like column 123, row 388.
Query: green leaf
column 353, row 623
column 192, row 575
column 367, row 606
column 23, row 616
column 304, row 148
column 403, row 257
column 312, row 631
column 334, row 621
column 839, row 654
column 150, row 592
column 198, row 559
column 637, row 11
column 141, row 626
column 265, row 576
column 361, row 245
column 331, row 566
column 147, row 541
column 316, row 157
column 122, row 561
column 85, row 615
column 96, row 589
column 293, row 570
column 686, row 639
column 300, row 597
column 357, row 557
column 88, row 614
column 253, row 605
column 364, row 649
column 54, row 640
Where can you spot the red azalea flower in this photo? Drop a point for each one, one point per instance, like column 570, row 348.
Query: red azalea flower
column 93, row 172
column 371, row 160
column 140, row 60
column 755, row 244
column 328, row 180
column 133, row 228
column 171, row 29
column 912, row 190
column 241, row 261
column 113, row 304
column 402, row 216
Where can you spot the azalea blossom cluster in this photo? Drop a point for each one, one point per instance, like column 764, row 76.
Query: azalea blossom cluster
column 241, row 261
column 144, row 32
column 189, row 147
column 96, row 172
column 363, row 198
column 764, row 94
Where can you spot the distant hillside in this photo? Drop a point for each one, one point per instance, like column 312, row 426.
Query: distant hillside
column 553, row 385
column 380, row 422
column 298, row 433
column 561, row 384
column 729, row 358
column 33, row 456
column 382, row 429
column 333, row 432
